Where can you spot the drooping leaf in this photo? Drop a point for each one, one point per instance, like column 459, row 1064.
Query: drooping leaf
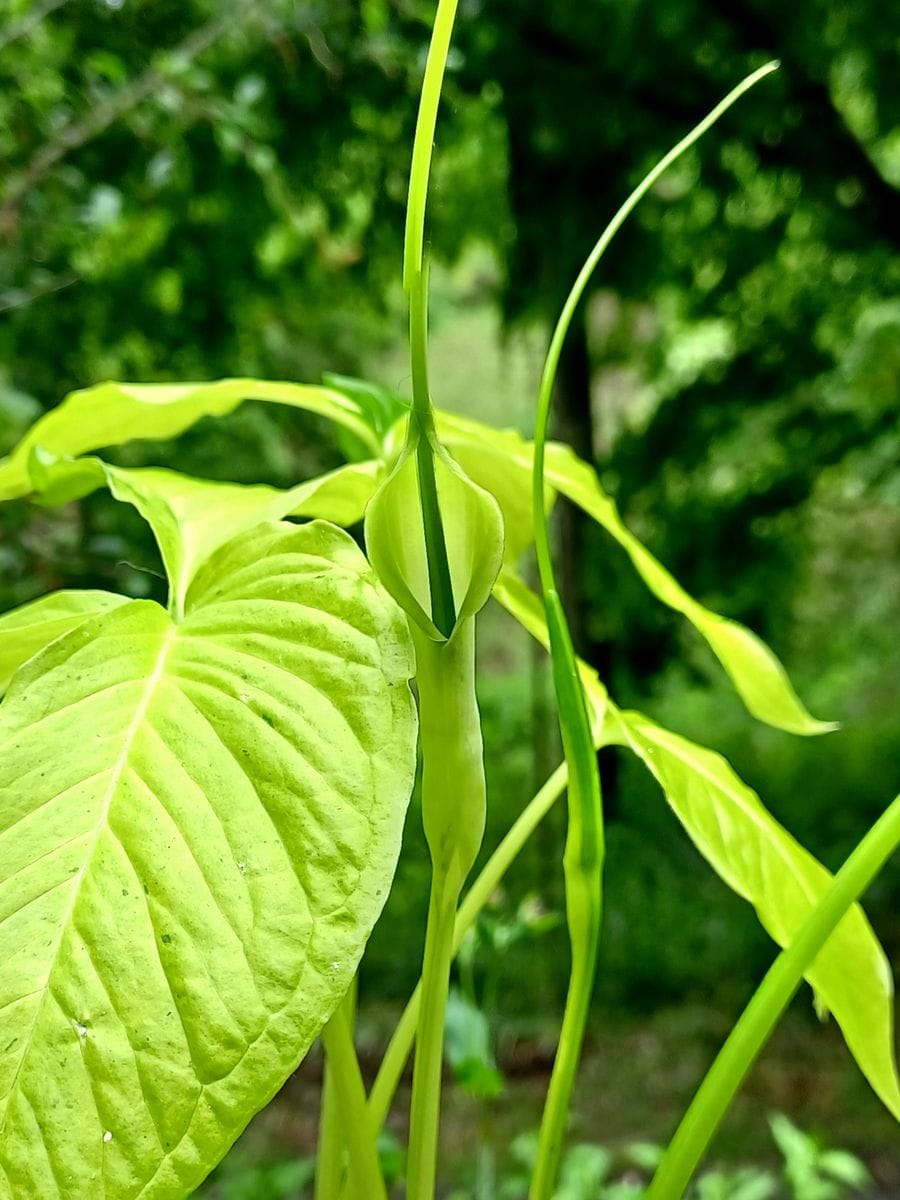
column 762, row 862
column 113, row 413
column 199, row 823
column 760, row 679
column 501, row 461
column 756, row 857
column 190, row 517
column 30, row 627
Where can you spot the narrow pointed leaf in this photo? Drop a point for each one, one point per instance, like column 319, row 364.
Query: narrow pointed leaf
column 760, row 861
column 191, row 518
column 30, row 627
column 113, row 413
column 199, row 823
column 756, row 857
column 760, row 679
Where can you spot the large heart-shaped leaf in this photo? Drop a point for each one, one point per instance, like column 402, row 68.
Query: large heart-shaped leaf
column 30, row 627
column 191, row 518
column 112, row 413
column 199, row 823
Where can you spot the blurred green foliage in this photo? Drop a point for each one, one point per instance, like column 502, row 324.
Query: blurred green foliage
column 205, row 188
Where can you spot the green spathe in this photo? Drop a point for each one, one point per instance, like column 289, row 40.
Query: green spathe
column 396, row 540
column 200, row 824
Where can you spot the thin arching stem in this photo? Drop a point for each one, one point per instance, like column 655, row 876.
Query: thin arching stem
column 584, row 853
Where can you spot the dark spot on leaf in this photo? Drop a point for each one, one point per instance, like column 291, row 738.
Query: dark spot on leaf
column 167, row 939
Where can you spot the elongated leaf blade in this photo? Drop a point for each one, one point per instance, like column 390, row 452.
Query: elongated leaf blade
column 113, row 413
column 190, row 517
column 755, row 856
column 760, row 861
column 199, row 823
column 760, row 679
column 30, row 627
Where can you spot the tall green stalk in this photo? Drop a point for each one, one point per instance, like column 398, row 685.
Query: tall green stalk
column 453, row 810
column 769, row 1002
column 583, row 861
column 346, row 1119
column 400, row 1045
column 453, row 785
column 415, row 281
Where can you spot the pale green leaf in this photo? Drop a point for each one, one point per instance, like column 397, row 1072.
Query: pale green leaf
column 27, row 629
column 758, row 676
column 762, row 862
column 501, row 462
column 113, row 413
column 191, row 518
column 199, row 823
column 756, row 857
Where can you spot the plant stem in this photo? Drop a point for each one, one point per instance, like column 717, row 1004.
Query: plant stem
column 356, row 1128
column 329, row 1151
column 330, row 1148
column 428, row 1069
column 453, row 808
column 768, row 1003
column 400, row 1045
column 415, row 280
column 426, row 124
column 583, row 867
column 585, row 843
column 551, row 365
column 583, row 903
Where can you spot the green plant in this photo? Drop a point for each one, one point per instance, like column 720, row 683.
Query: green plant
column 202, row 805
column 588, row 1172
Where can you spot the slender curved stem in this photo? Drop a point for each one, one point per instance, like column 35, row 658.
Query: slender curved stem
column 355, row 1129
column 426, row 124
column 548, row 377
column 453, row 814
column 585, row 842
column 415, row 280
column 401, row 1043
column 425, row 1110
column 770, row 1000
column 330, row 1148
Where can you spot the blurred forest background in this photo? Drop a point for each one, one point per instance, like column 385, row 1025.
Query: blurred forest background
column 216, row 187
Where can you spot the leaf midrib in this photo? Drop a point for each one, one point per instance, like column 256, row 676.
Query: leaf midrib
column 118, row 769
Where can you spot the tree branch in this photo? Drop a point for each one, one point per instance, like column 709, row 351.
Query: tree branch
column 77, row 133
column 24, row 26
